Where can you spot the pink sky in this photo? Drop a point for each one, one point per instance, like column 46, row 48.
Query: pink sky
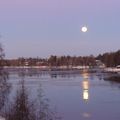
column 50, row 25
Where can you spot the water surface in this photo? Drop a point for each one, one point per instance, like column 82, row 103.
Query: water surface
column 81, row 96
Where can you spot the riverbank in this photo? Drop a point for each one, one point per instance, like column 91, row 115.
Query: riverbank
column 113, row 78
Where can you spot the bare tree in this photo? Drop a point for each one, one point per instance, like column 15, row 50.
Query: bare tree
column 2, row 55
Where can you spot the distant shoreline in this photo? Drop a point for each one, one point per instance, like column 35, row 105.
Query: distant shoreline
column 48, row 67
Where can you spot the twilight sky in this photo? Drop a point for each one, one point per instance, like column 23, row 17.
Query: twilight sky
column 32, row 28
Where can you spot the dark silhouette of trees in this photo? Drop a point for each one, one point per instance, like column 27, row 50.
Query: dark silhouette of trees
column 4, row 88
column 73, row 61
column 23, row 107
column 1, row 56
column 111, row 59
column 53, row 61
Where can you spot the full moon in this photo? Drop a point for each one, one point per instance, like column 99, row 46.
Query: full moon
column 84, row 29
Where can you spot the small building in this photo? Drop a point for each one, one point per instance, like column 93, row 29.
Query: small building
column 118, row 66
column 99, row 64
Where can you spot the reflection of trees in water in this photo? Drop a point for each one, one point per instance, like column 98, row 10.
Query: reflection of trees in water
column 63, row 75
column 30, row 72
column 4, row 87
column 53, row 74
column 25, row 108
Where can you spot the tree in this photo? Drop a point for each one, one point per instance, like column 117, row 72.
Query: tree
column 111, row 59
column 1, row 55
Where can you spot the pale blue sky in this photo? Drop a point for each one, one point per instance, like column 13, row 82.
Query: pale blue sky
column 33, row 28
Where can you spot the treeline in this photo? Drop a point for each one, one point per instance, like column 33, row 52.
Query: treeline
column 111, row 59
column 52, row 61
column 73, row 61
column 25, row 62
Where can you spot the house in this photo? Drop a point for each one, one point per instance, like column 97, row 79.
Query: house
column 100, row 64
